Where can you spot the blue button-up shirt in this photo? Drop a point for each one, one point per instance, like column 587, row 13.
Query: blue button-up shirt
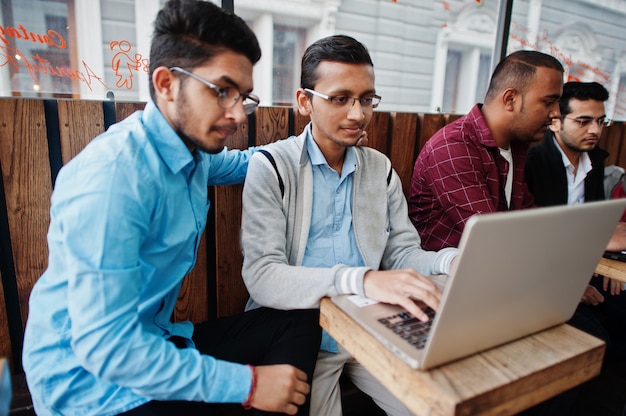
column 331, row 238
column 126, row 219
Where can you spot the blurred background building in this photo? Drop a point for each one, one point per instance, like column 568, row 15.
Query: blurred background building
column 429, row 55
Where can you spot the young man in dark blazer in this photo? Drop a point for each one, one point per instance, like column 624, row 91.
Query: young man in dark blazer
column 567, row 167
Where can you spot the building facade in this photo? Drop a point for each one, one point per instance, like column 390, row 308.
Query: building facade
column 429, row 55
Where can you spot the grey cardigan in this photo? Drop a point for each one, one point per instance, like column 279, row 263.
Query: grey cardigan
column 277, row 215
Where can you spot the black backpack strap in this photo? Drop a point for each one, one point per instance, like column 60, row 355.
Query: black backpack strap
column 389, row 175
column 269, row 156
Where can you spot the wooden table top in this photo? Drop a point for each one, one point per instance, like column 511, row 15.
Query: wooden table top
column 504, row 380
column 612, row 268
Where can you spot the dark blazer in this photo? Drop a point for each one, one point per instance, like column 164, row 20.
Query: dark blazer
column 547, row 179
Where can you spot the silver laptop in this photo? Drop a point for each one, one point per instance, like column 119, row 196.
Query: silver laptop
column 517, row 273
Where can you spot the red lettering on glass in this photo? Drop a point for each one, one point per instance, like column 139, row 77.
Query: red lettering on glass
column 91, row 76
column 523, row 42
column 541, row 41
column 36, row 65
column 51, row 38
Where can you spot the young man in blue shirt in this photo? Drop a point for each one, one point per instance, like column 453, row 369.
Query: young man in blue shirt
column 126, row 220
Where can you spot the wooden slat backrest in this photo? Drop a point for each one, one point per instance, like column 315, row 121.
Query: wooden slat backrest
column 617, row 132
column 193, row 303
column 378, row 132
column 231, row 294
column 403, row 146
column 27, row 188
column 612, row 140
column 270, row 124
column 430, row 124
column 79, row 122
column 214, row 287
column 123, row 110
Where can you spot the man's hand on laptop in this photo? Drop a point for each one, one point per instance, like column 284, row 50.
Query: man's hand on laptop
column 402, row 287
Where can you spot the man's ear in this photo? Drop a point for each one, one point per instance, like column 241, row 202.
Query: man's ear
column 556, row 125
column 303, row 101
column 509, row 99
column 165, row 83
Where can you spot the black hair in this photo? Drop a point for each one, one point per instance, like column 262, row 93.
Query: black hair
column 517, row 70
column 188, row 33
column 336, row 48
column 582, row 91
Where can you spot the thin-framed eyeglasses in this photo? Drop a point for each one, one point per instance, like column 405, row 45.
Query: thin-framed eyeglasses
column 584, row 122
column 341, row 101
column 227, row 97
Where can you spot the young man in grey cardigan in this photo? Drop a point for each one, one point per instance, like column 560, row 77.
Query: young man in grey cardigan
column 323, row 217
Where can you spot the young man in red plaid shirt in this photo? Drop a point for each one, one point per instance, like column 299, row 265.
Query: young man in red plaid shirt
column 476, row 164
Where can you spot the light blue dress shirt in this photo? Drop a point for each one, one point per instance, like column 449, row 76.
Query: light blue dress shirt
column 126, row 219
column 331, row 238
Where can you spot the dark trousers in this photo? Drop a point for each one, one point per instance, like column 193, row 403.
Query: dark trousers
column 606, row 321
column 259, row 337
column 612, row 314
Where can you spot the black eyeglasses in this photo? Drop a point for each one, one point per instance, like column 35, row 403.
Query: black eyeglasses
column 342, row 101
column 227, row 97
column 584, row 122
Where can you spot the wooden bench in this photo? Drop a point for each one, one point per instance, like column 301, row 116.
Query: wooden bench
column 38, row 136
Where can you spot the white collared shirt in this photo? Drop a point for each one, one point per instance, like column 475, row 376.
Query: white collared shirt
column 575, row 177
column 508, row 186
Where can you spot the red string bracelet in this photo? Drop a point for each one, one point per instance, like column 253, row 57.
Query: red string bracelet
column 248, row 403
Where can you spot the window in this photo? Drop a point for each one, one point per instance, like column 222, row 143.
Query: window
column 284, row 28
column 463, row 54
column 586, row 36
column 429, row 55
column 288, row 47
column 467, row 76
column 36, row 48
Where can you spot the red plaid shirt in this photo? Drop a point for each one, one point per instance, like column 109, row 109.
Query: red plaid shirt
column 459, row 173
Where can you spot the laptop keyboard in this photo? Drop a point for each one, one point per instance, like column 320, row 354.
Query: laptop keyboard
column 409, row 328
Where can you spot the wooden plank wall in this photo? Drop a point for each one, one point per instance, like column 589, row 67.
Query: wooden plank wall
column 27, row 188
column 38, row 136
